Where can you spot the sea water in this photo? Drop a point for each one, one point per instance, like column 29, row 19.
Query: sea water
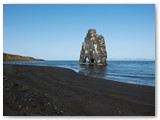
column 135, row 72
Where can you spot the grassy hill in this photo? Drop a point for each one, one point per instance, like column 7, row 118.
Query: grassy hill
column 11, row 57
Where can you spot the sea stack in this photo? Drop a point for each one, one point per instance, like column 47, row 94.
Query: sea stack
column 94, row 49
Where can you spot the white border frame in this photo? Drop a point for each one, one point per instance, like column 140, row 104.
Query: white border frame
column 157, row 49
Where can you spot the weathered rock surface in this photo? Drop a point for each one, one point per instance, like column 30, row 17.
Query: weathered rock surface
column 94, row 49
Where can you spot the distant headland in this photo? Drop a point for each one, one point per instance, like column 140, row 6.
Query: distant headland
column 11, row 57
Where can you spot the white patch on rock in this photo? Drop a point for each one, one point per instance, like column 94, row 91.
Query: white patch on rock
column 98, row 61
column 95, row 47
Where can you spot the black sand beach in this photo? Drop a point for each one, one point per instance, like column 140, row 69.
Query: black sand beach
column 36, row 90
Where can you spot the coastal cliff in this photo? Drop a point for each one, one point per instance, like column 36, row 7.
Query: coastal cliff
column 11, row 57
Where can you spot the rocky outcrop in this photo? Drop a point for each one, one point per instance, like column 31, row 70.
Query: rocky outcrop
column 94, row 49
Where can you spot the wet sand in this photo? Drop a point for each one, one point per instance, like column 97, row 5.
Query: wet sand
column 37, row 91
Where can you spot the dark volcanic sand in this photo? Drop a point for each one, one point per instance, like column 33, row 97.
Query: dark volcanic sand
column 35, row 90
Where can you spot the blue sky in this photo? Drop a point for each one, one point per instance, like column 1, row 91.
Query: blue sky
column 56, row 32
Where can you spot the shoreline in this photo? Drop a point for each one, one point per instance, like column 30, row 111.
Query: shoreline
column 77, row 71
column 48, row 90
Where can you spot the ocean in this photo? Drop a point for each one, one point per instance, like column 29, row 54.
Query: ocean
column 135, row 72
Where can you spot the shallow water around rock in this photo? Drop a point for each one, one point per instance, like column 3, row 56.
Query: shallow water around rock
column 135, row 72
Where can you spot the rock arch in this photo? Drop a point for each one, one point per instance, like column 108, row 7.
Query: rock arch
column 93, row 48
